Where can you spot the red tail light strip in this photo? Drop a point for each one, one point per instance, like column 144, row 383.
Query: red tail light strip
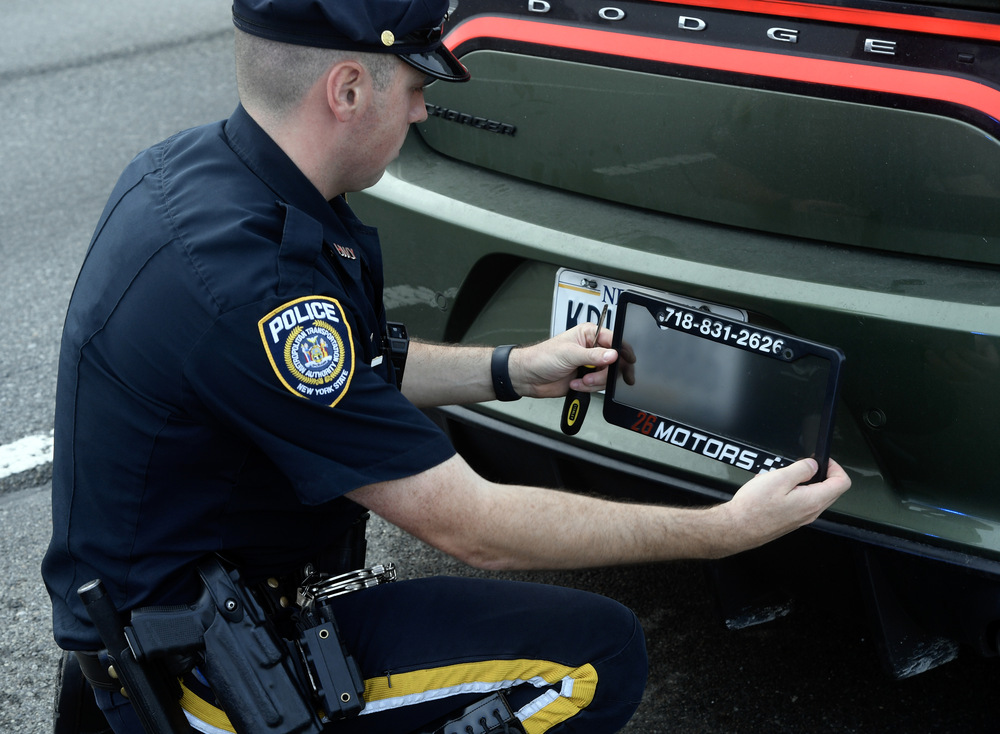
column 869, row 77
column 854, row 16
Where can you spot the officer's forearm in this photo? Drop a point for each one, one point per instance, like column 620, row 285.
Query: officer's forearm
column 441, row 374
column 548, row 529
column 559, row 530
column 513, row 527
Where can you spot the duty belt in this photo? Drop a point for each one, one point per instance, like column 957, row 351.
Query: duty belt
column 94, row 667
column 314, row 589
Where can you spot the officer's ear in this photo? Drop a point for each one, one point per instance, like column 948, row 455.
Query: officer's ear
column 347, row 89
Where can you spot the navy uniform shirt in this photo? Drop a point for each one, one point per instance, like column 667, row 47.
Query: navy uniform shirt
column 221, row 382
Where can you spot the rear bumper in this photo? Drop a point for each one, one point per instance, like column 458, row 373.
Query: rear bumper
column 924, row 601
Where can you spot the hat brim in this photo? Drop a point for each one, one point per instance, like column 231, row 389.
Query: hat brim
column 440, row 63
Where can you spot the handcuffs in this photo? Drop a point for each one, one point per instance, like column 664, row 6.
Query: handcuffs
column 318, row 587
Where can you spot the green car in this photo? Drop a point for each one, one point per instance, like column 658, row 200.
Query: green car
column 829, row 170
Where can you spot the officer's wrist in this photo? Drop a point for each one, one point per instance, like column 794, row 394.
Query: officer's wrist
column 503, row 385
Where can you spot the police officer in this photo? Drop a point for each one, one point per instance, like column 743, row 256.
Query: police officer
column 223, row 389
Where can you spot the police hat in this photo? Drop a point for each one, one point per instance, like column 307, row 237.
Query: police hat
column 411, row 29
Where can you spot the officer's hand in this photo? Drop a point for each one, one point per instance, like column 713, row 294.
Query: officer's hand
column 771, row 505
column 548, row 369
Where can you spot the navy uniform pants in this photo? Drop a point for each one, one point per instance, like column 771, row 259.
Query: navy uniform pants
column 567, row 660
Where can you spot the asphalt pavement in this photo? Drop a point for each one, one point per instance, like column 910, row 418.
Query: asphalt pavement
column 815, row 670
column 28, row 656
column 86, row 85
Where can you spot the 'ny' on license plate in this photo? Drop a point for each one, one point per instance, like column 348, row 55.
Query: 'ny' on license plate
column 580, row 297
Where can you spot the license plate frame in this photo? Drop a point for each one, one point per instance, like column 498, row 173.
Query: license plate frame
column 749, row 396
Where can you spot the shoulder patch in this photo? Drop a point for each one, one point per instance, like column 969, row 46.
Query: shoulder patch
column 308, row 342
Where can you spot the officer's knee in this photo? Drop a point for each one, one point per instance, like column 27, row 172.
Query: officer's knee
column 622, row 672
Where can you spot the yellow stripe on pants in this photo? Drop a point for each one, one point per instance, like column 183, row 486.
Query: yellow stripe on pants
column 406, row 689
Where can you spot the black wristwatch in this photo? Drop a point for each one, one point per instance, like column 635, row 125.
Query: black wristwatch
column 500, row 368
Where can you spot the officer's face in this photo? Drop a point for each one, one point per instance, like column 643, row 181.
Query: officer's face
column 389, row 118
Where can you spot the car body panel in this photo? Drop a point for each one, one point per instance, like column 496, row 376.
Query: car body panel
column 832, row 191
column 946, row 205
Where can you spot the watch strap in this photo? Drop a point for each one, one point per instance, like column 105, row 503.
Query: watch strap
column 500, row 369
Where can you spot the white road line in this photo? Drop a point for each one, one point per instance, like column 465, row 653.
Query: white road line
column 25, row 454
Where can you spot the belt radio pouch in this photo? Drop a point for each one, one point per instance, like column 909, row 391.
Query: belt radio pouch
column 396, row 344
column 264, row 682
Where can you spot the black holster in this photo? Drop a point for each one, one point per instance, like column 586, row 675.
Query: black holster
column 264, row 682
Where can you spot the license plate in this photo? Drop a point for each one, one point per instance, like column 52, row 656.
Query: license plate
column 580, row 297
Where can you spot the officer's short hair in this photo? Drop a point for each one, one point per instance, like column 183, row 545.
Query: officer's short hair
column 276, row 76
column 412, row 30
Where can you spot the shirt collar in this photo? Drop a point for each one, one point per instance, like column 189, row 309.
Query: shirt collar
column 272, row 165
